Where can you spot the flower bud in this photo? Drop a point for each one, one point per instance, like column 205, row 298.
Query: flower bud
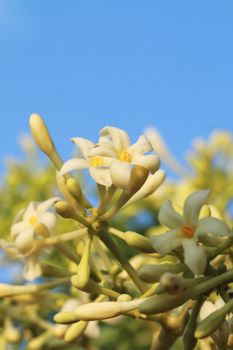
column 150, row 186
column 174, row 284
column 84, row 267
column 90, row 287
column 138, row 177
column 74, row 188
column 64, row 209
column 75, row 331
column 152, row 273
column 66, row 317
column 161, row 303
column 214, row 321
column 124, row 297
column 138, row 242
column 43, row 139
column 11, row 333
column 98, row 311
column 38, row 342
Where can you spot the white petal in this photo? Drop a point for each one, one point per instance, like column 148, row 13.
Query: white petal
column 166, row 242
column 44, row 206
column 18, row 227
column 168, row 216
column 101, row 175
column 192, row 206
column 120, row 138
column 105, row 150
column 83, row 145
column 120, row 173
column 194, row 256
column 74, row 164
column 207, row 309
column 140, row 147
column 30, row 211
column 24, row 241
column 212, row 225
column 10, row 249
column 49, row 220
column 150, row 162
column 32, row 268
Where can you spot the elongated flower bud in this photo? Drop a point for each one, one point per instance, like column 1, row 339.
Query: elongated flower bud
column 161, row 303
column 138, row 177
column 64, row 209
column 75, row 331
column 97, row 311
column 43, row 139
column 138, row 242
column 84, row 268
column 150, row 186
column 210, row 324
column 152, row 273
column 174, row 284
column 74, row 188
column 62, row 184
column 11, row 333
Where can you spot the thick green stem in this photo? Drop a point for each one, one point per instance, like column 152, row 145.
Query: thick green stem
column 107, row 240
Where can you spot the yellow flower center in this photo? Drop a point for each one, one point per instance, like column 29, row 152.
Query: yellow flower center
column 32, row 220
column 125, row 157
column 187, row 231
column 97, row 161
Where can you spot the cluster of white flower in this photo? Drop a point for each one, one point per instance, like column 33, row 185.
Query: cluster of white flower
column 132, row 171
column 110, row 161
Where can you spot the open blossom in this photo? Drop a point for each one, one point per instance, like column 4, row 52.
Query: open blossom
column 98, row 166
column 115, row 144
column 33, row 223
column 186, row 229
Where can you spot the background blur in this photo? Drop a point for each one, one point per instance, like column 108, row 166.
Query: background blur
column 86, row 64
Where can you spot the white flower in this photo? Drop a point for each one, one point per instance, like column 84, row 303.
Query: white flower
column 34, row 222
column 186, row 229
column 98, row 166
column 115, row 144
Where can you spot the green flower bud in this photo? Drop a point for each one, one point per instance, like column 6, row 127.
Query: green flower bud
column 161, row 303
column 174, row 284
column 84, row 267
column 64, row 209
column 74, row 188
column 214, row 321
column 152, row 273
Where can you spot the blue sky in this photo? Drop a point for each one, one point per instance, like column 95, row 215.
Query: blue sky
column 128, row 63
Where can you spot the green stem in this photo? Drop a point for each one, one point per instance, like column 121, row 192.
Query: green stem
column 221, row 248
column 106, row 200
column 188, row 338
column 34, row 288
column 110, row 244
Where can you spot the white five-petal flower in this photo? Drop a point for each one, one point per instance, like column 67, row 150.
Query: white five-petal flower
column 186, row 229
column 97, row 165
column 32, row 223
column 115, row 144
